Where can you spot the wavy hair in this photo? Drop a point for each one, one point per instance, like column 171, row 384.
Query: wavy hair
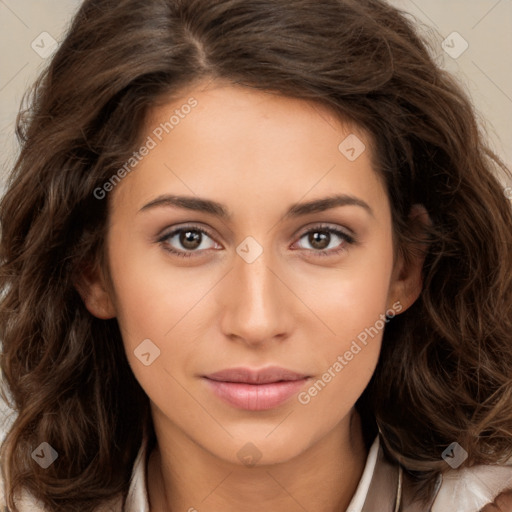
column 445, row 368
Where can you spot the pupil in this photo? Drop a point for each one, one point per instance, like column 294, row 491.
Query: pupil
column 318, row 238
column 190, row 239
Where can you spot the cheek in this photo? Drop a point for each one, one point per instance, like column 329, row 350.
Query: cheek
column 151, row 295
column 353, row 296
column 161, row 303
column 353, row 302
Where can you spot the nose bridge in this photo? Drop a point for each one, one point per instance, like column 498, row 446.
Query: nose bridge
column 255, row 298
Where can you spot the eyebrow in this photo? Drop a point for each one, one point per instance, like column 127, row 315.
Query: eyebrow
column 217, row 209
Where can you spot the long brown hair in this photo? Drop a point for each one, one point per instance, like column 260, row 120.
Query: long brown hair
column 445, row 369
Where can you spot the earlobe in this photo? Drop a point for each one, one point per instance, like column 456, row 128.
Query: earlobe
column 407, row 280
column 91, row 286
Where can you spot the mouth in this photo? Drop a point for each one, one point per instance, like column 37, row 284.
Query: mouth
column 255, row 390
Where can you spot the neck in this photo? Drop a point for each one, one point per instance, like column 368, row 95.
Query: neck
column 184, row 477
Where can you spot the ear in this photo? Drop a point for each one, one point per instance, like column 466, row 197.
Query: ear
column 92, row 286
column 407, row 281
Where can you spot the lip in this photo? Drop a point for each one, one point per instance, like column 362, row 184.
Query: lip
column 255, row 390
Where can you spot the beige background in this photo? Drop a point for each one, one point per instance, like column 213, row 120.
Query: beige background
column 485, row 68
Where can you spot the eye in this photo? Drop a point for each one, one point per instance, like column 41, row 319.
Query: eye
column 321, row 238
column 190, row 238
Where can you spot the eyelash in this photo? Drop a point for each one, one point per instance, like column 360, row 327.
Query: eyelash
column 348, row 239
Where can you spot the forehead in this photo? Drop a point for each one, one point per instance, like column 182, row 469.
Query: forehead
column 225, row 138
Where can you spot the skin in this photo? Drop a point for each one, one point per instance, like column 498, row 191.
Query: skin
column 256, row 153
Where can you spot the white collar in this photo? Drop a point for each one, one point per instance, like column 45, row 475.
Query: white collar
column 357, row 502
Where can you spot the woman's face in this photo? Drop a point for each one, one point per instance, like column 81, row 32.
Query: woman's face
column 247, row 287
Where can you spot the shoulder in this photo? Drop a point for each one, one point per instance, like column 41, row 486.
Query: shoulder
column 470, row 489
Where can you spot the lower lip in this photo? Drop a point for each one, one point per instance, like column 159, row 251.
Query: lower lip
column 256, row 397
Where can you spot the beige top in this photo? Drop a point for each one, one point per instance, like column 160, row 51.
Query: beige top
column 382, row 488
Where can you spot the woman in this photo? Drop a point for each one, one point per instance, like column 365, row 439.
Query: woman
column 254, row 256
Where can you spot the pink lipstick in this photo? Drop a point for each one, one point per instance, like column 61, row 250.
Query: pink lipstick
column 255, row 390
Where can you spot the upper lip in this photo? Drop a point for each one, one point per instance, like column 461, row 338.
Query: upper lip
column 254, row 376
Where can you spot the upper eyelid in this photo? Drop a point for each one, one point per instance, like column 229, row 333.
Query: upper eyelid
column 168, row 234
column 300, row 233
column 327, row 227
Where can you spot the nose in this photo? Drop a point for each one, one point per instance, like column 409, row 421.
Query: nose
column 257, row 304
